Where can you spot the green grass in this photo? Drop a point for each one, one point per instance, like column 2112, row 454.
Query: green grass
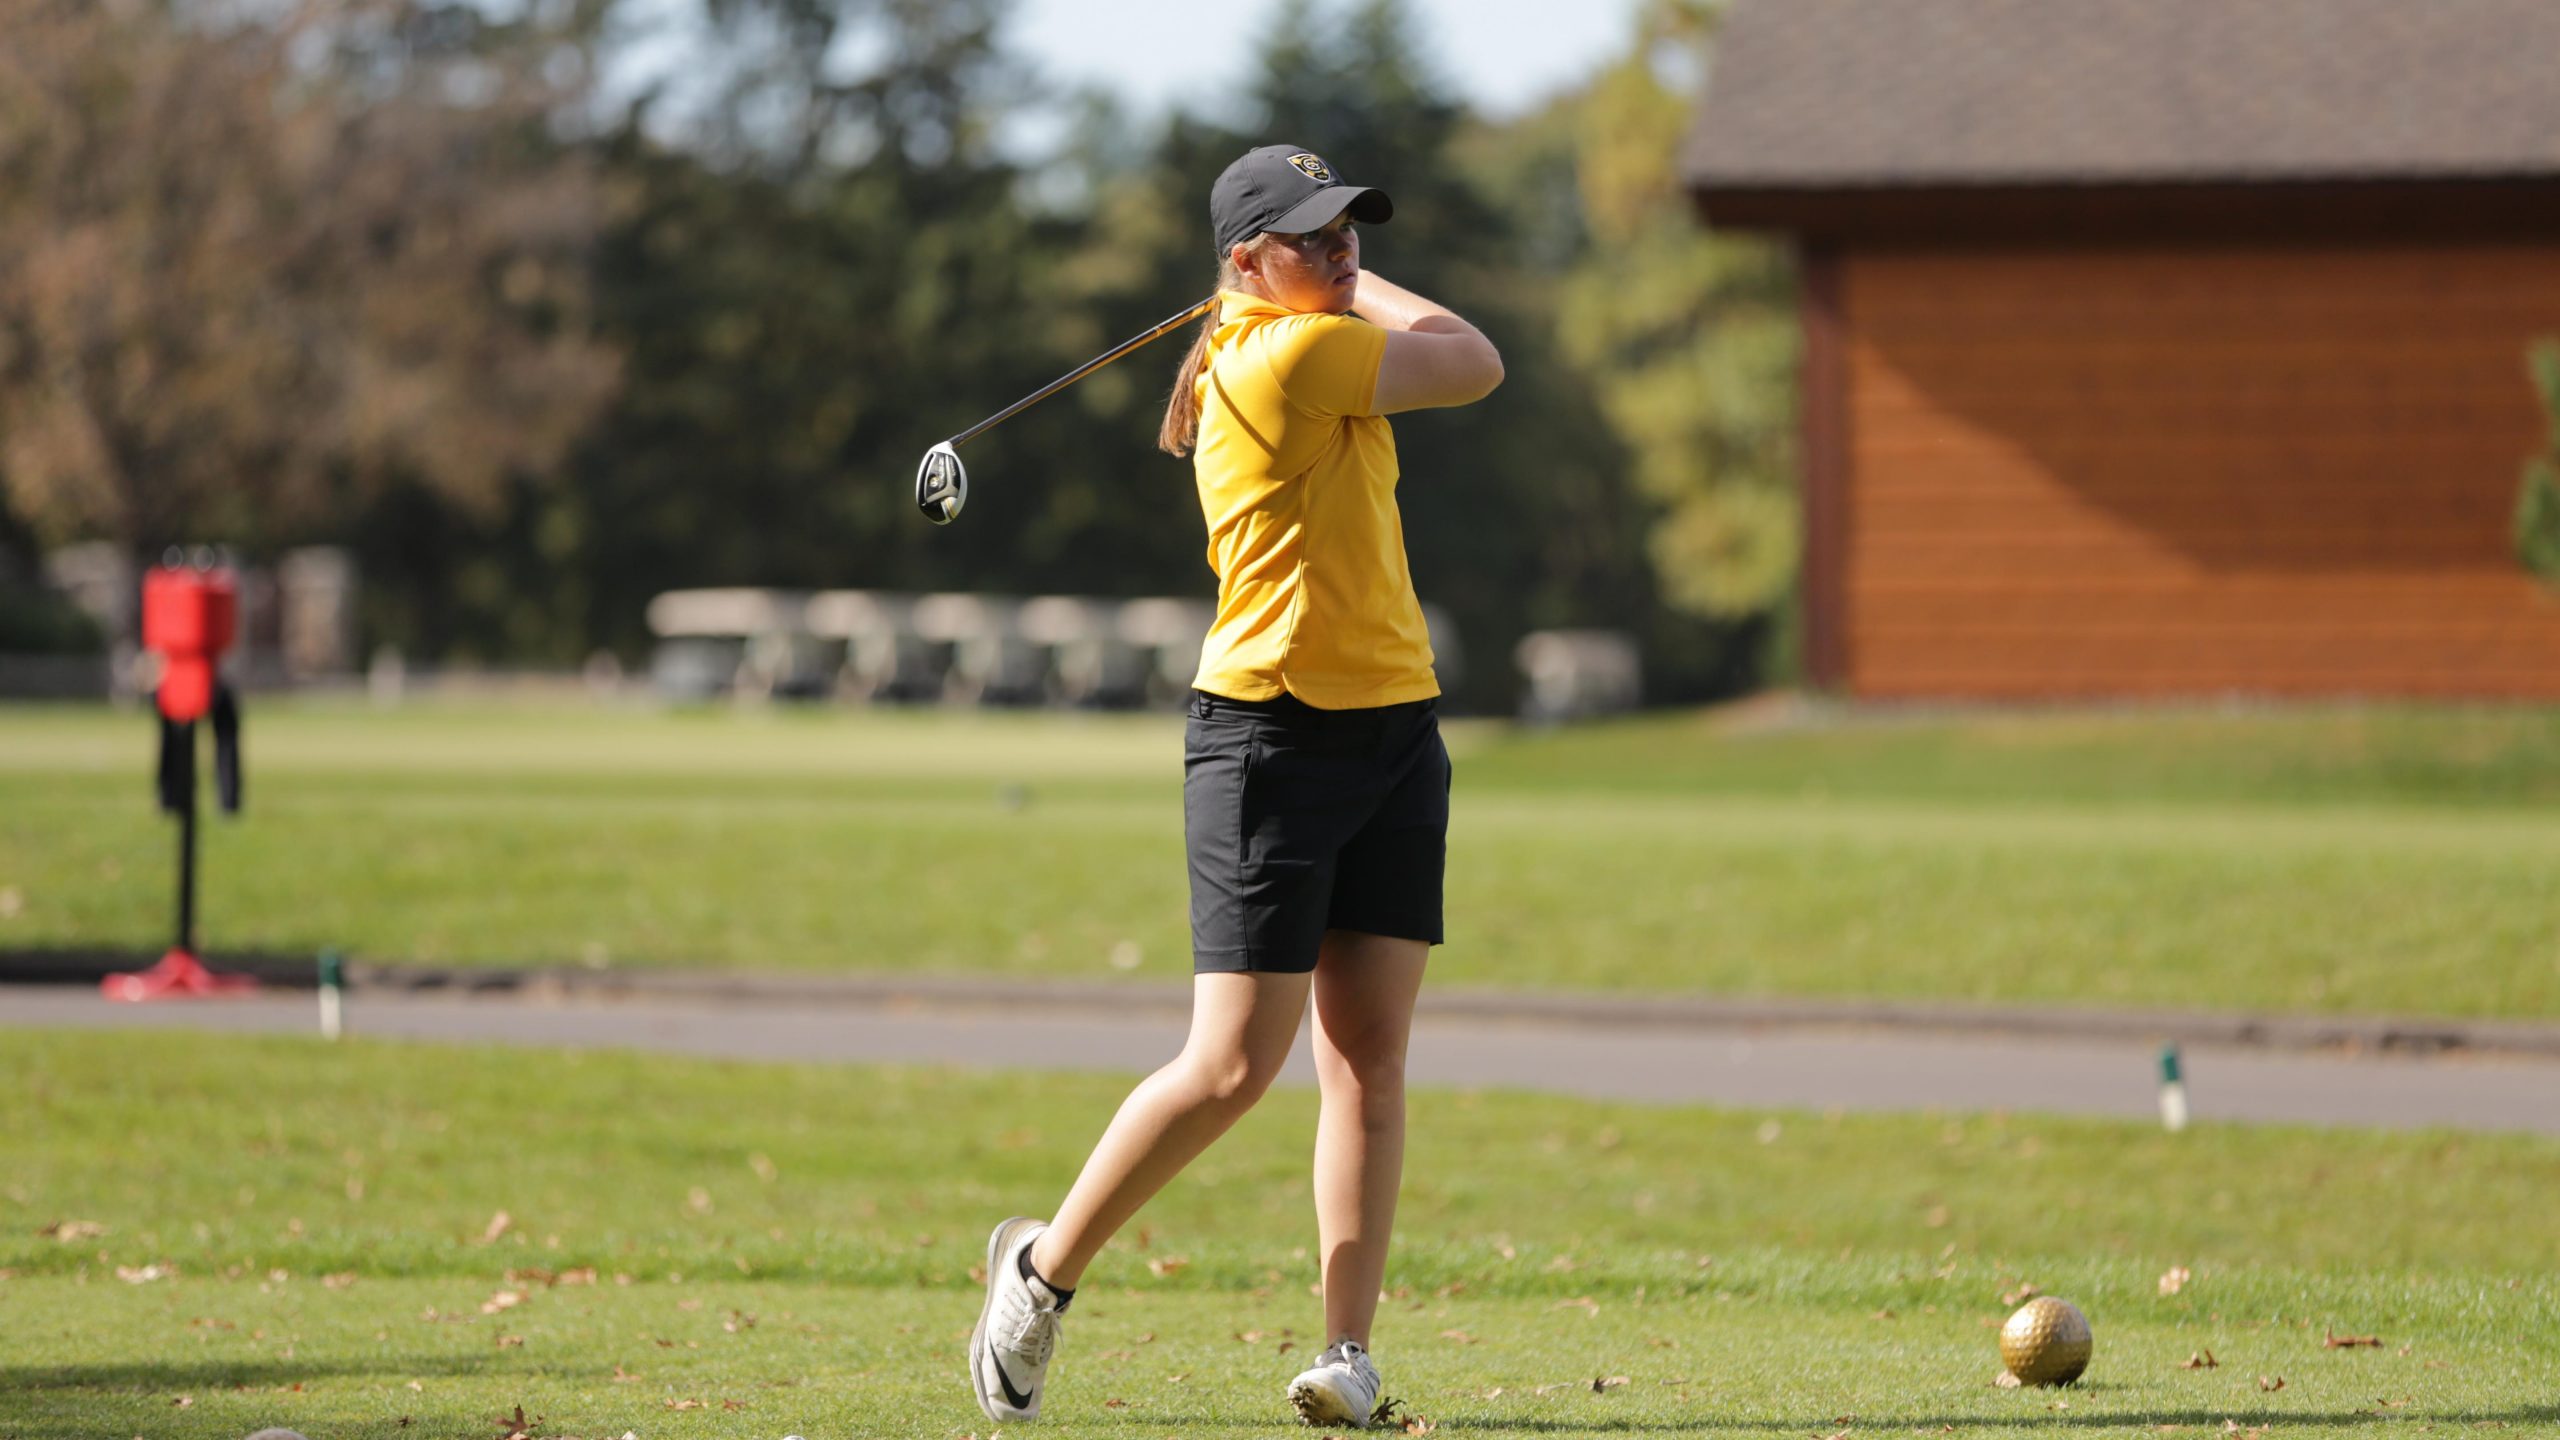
column 2336, row 860
column 796, row 1241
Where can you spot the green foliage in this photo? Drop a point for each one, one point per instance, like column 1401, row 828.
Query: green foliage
column 1688, row 338
column 702, row 338
column 2538, row 499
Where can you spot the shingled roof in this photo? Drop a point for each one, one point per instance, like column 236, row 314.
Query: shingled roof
column 1842, row 95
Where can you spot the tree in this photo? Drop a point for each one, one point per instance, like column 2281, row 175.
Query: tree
column 1689, row 338
column 2538, row 499
column 260, row 268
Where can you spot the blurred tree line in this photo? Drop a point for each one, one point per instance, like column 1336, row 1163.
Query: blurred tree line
column 435, row 280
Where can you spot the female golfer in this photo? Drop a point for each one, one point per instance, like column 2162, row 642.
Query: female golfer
column 1315, row 799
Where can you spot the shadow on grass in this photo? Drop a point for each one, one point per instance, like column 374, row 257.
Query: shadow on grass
column 2043, row 1420
column 259, row 1374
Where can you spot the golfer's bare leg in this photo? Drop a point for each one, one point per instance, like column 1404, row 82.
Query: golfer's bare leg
column 1241, row 1028
column 1365, row 989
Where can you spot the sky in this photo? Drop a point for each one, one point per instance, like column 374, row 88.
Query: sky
column 1501, row 56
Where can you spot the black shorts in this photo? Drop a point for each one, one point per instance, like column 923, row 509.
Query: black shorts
column 1300, row 820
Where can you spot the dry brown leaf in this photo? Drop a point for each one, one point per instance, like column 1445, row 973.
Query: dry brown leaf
column 499, row 1224
column 2006, row 1381
column 2347, row 1342
column 2174, row 1279
column 145, row 1275
column 2270, row 1383
column 675, row 1404
column 1612, row 1382
column 516, row 1427
column 183, row 1401
column 1457, row 1337
column 2025, row 1292
column 339, row 1281
column 70, row 1230
column 510, row 1342
column 1416, row 1425
column 2201, row 1360
column 1148, row 1338
column 503, row 1300
column 1115, row 1404
column 622, row 1376
column 1166, row 1266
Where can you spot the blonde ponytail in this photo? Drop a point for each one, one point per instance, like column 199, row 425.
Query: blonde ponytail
column 1181, row 428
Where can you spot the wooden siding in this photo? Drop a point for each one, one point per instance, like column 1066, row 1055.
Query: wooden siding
column 2178, row 472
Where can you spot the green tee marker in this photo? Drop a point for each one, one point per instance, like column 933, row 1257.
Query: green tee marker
column 332, row 995
column 2173, row 1091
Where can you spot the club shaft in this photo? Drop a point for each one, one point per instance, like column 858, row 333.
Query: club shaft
column 1152, row 334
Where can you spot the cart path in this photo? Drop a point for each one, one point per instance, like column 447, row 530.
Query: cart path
column 1757, row 1065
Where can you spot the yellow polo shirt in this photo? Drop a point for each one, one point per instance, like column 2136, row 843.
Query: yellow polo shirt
column 1298, row 484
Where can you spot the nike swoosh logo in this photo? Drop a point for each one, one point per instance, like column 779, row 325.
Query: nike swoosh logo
column 1016, row 1398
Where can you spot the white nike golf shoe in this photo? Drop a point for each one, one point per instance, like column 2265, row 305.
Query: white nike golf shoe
column 1342, row 1389
column 1017, row 1327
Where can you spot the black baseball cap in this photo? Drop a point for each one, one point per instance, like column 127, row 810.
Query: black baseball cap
column 1290, row 189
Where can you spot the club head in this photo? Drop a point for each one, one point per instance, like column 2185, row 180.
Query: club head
column 942, row 484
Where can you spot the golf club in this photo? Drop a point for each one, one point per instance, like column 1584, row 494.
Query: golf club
column 942, row 482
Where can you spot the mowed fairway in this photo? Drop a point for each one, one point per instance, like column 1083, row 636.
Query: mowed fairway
column 201, row 1236
column 2338, row 860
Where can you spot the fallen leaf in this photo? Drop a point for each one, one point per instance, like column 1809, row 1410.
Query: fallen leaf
column 2201, row 1360
column 510, row 1342
column 183, row 1401
column 1610, row 1383
column 2174, row 1279
column 1416, row 1425
column 2006, row 1381
column 1147, row 1339
column 143, row 1276
column 499, row 1224
column 1165, row 1266
column 1457, row 1337
column 503, row 1300
column 516, row 1427
column 2347, row 1342
column 69, row 1230
column 1115, row 1404
column 675, row 1404
column 622, row 1376
column 2270, row 1383
column 2021, row 1295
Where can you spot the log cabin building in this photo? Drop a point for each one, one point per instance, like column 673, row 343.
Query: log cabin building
column 2158, row 347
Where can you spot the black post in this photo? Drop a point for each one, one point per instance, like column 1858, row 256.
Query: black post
column 186, row 798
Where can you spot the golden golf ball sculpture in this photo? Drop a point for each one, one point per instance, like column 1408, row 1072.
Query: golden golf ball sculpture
column 2046, row 1342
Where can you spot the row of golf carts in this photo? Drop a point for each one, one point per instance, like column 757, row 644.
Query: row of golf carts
column 878, row 646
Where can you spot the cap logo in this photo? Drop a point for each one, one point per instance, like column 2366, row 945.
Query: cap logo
column 1311, row 167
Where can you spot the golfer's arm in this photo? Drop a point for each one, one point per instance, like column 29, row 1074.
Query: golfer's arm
column 1434, row 358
